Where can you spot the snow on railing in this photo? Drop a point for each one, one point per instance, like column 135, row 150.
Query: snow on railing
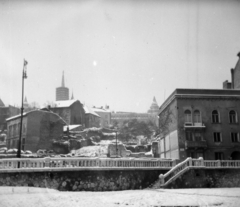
column 175, row 171
column 182, row 167
column 26, row 163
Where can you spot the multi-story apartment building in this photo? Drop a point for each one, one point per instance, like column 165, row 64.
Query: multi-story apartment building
column 200, row 123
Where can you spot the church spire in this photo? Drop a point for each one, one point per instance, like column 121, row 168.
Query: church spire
column 154, row 99
column 63, row 83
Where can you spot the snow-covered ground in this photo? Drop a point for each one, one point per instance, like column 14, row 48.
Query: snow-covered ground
column 40, row 197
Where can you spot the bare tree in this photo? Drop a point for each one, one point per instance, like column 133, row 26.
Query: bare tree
column 165, row 119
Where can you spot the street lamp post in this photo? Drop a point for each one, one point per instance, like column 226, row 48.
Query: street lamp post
column 24, row 75
column 116, row 146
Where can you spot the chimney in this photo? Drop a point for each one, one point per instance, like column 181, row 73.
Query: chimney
column 238, row 54
column 232, row 77
column 227, row 85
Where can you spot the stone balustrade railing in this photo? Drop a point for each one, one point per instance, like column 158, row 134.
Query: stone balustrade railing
column 59, row 163
column 182, row 167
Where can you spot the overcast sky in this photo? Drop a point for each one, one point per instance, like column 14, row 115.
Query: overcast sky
column 120, row 53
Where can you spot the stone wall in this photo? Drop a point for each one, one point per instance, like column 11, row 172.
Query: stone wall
column 83, row 180
column 208, row 178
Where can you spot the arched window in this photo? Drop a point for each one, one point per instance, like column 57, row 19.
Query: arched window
column 215, row 117
column 188, row 116
column 233, row 117
column 197, row 116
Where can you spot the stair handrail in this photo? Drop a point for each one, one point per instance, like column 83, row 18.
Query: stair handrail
column 176, row 169
column 180, row 168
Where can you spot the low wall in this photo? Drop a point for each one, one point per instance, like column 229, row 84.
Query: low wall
column 207, row 178
column 95, row 180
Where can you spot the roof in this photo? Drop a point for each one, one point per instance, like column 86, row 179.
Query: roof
column 200, row 93
column 70, row 127
column 17, row 116
column 100, row 110
column 63, row 104
column 1, row 103
column 38, row 110
column 89, row 110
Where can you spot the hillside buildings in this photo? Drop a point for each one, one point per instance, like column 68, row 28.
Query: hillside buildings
column 151, row 115
column 105, row 116
column 6, row 112
column 71, row 111
column 92, row 119
column 39, row 129
column 200, row 123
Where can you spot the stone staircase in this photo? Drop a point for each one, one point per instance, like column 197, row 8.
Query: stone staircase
column 177, row 171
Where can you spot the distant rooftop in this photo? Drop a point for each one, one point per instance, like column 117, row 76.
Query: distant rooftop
column 89, row 110
column 100, row 109
column 1, row 103
column 62, row 104
column 26, row 113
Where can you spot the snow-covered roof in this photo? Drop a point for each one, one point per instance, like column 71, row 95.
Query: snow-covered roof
column 89, row 110
column 100, row 110
column 62, row 104
column 70, row 127
column 25, row 113
column 16, row 116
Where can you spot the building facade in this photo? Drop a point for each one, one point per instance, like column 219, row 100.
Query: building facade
column 105, row 116
column 151, row 115
column 92, row 119
column 39, row 129
column 62, row 92
column 71, row 111
column 200, row 123
column 6, row 112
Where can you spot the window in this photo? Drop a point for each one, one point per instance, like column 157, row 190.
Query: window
column 217, row 137
column 191, row 154
column 232, row 117
column 198, row 136
column 218, row 155
column 188, row 116
column 215, row 117
column 235, row 137
column 18, row 126
column 189, row 136
column 199, row 154
column 197, row 116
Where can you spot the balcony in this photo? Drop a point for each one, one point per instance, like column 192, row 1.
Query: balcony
column 195, row 144
column 189, row 125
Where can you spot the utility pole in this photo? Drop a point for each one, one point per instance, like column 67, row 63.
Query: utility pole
column 24, row 75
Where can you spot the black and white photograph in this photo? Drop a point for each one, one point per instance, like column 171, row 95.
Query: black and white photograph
column 115, row 103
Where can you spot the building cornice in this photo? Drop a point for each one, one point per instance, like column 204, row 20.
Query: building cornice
column 199, row 94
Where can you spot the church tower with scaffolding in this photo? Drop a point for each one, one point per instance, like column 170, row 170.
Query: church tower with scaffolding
column 62, row 92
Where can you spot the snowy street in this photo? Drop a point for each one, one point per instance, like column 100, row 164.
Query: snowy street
column 41, row 197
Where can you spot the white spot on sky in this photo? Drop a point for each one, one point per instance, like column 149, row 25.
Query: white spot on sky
column 94, row 63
